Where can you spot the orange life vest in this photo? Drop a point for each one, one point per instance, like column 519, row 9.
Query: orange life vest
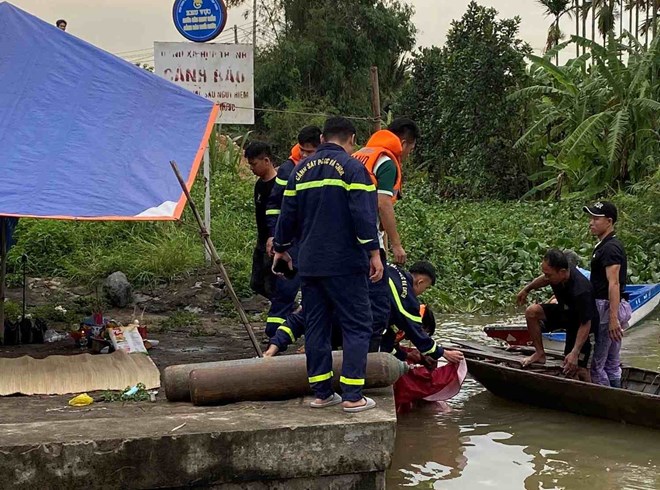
column 296, row 154
column 382, row 143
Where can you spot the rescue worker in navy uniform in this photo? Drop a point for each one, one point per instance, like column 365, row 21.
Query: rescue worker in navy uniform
column 407, row 319
column 283, row 299
column 383, row 156
column 330, row 208
column 260, row 159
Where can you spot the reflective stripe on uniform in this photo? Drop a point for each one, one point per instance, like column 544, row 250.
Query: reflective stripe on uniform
column 275, row 319
column 281, row 182
column 402, row 310
column 320, row 377
column 352, row 381
column 432, row 350
column 288, row 331
column 289, row 193
column 273, row 212
column 336, row 183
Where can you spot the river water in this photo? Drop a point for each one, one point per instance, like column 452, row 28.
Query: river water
column 491, row 443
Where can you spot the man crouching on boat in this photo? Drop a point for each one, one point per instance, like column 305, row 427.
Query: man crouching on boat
column 575, row 311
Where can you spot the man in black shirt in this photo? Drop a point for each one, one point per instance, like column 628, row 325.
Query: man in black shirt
column 260, row 159
column 574, row 311
column 609, row 267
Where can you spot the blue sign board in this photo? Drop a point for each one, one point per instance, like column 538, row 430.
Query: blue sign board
column 199, row 20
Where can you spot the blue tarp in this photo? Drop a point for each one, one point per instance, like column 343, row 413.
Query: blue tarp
column 86, row 135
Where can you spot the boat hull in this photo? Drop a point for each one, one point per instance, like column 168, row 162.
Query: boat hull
column 557, row 393
column 643, row 300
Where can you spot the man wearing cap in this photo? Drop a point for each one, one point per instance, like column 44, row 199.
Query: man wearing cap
column 609, row 267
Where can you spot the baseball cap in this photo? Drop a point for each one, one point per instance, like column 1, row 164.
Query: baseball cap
column 602, row 209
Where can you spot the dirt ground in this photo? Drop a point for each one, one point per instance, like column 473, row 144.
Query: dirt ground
column 215, row 335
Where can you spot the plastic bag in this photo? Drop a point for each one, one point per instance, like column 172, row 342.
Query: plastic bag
column 51, row 335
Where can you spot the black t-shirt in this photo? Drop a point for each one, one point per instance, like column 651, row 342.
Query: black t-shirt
column 261, row 193
column 608, row 252
column 577, row 299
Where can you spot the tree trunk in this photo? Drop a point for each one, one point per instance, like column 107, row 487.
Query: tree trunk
column 630, row 17
column 646, row 32
column 576, row 7
column 556, row 39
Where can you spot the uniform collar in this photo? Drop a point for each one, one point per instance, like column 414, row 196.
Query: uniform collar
column 330, row 146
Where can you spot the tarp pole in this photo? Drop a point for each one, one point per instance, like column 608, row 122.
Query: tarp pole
column 3, row 274
column 207, row 199
column 216, row 258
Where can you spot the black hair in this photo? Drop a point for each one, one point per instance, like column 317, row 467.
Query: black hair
column 572, row 258
column 258, row 149
column 425, row 268
column 59, row 21
column 404, row 128
column 428, row 321
column 338, row 127
column 556, row 259
column 310, row 135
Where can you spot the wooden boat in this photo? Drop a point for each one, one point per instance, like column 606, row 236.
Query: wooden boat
column 643, row 299
column 501, row 372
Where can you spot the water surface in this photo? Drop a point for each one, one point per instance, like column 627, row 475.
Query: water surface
column 489, row 442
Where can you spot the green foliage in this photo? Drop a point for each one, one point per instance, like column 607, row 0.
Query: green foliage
column 148, row 253
column 595, row 129
column 180, row 320
column 12, row 311
column 141, row 395
column 458, row 94
column 321, row 57
column 486, row 251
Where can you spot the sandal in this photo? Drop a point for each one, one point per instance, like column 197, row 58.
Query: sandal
column 332, row 400
column 368, row 405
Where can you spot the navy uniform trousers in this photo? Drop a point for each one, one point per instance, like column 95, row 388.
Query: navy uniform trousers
column 282, row 300
column 379, row 296
column 344, row 299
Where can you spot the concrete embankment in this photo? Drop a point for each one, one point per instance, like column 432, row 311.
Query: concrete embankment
column 266, row 445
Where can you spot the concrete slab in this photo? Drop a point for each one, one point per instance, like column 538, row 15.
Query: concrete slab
column 46, row 444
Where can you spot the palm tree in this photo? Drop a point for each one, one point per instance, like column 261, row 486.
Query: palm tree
column 597, row 129
column 556, row 8
column 606, row 18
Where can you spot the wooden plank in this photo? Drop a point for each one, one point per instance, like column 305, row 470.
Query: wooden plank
column 502, row 357
column 499, row 350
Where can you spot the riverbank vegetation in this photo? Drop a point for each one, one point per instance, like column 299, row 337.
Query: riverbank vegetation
column 513, row 146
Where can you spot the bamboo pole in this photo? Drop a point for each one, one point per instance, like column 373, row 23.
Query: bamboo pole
column 217, row 260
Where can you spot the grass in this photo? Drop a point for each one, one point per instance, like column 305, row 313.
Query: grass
column 484, row 251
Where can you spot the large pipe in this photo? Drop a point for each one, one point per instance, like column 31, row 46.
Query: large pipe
column 277, row 378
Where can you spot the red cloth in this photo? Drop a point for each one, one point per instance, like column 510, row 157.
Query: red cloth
column 421, row 384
